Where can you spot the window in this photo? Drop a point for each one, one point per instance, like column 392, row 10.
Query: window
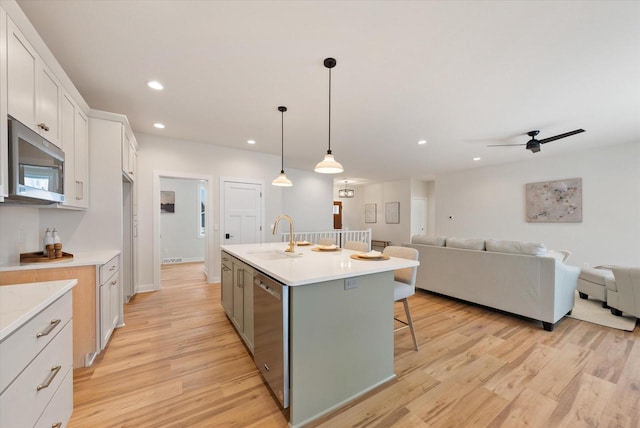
column 202, row 192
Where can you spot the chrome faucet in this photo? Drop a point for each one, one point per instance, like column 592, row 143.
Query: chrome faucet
column 292, row 243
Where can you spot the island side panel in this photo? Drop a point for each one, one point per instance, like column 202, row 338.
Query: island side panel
column 341, row 343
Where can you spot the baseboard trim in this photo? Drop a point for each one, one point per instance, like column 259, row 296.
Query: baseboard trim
column 145, row 288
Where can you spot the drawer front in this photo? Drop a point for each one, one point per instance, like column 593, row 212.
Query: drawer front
column 108, row 269
column 21, row 404
column 58, row 412
column 17, row 350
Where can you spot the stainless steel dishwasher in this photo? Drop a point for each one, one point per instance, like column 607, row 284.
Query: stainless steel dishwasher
column 271, row 334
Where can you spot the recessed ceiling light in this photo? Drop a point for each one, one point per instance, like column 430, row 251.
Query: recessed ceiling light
column 422, row 142
column 159, row 125
column 154, row 84
column 251, row 141
column 476, row 159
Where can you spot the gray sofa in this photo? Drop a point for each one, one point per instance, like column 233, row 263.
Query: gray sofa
column 516, row 277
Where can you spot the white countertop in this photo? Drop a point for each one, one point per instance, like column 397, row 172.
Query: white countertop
column 20, row 303
column 312, row 267
column 83, row 258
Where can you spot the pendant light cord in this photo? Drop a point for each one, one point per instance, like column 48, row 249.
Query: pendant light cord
column 282, row 145
column 329, row 151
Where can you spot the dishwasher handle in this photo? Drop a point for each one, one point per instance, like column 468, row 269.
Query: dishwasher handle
column 268, row 288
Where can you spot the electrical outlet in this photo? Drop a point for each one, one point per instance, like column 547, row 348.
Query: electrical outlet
column 350, row 283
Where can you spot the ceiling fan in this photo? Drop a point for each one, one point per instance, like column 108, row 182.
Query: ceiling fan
column 534, row 145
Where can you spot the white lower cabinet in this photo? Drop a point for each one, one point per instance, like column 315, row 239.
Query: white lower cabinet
column 237, row 296
column 110, row 300
column 42, row 393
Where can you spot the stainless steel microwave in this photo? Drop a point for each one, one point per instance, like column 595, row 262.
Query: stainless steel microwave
column 36, row 166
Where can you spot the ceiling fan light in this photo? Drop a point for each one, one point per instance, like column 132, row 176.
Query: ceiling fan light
column 329, row 165
column 282, row 180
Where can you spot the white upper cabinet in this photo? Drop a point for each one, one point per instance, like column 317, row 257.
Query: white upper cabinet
column 4, row 148
column 21, row 77
column 81, row 160
column 49, row 98
column 34, row 95
column 128, row 155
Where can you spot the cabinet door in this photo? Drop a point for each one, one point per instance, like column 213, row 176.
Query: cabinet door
column 238, row 295
column 105, row 315
column 4, row 147
column 49, row 97
column 67, row 131
column 81, row 161
column 133, row 159
column 21, row 77
column 114, row 301
column 226, row 286
column 248, row 306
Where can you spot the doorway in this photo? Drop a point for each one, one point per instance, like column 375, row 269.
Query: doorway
column 203, row 219
column 418, row 216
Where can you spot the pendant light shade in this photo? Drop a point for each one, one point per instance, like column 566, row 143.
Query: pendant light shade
column 282, row 180
column 329, row 165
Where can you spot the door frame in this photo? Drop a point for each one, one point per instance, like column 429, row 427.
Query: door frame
column 226, row 179
column 208, row 235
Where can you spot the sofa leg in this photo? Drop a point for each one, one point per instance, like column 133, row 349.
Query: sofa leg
column 583, row 295
column 616, row 312
column 548, row 326
column 604, row 305
column 569, row 313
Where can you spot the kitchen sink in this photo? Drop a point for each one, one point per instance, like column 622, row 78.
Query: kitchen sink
column 274, row 254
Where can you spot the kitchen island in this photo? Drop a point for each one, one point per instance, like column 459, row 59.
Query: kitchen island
column 336, row 322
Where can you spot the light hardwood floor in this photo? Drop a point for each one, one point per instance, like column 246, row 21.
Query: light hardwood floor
column 179, row 363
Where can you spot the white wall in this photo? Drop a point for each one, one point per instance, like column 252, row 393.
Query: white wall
column 490, row 203
column 172, row 155
column 380, row 194
column 180, row 230
column 19, row 232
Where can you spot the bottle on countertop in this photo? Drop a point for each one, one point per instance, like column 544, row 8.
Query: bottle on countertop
column 57, row 244
column 48, row 240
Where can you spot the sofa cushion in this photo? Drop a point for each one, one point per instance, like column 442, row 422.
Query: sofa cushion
column 559, row 255
column 516, row 247
column 466, row 244
column 437, row 241
column 597, row 276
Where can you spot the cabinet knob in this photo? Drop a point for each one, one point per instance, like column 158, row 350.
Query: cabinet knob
column 114, row 282
column 43, row 126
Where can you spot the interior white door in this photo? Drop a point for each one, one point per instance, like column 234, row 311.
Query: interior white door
column 418, row 216
column 242, row 213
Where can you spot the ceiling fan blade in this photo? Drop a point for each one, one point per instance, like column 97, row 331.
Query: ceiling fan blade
column 504, row 145
column 557, row 137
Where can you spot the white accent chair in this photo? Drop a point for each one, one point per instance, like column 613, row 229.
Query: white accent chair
column 623, row 294
column 405, row 284
column 356, row 246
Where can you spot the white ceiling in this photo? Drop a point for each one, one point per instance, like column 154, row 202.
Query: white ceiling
column 459, row 74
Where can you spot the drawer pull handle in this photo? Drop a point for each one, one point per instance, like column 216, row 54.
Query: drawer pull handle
column 114, row 282
column 52, row 376
column 46, row 331
column 57, row 425
column 112, row 267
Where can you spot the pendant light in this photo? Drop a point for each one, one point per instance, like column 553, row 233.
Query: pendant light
column 346, row 193
column 329, row 165
column 282, row 179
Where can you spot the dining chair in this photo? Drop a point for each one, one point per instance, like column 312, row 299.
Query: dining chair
column 404, row 285
column 356, row 246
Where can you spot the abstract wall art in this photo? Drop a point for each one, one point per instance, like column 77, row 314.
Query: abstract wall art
column 557, row 201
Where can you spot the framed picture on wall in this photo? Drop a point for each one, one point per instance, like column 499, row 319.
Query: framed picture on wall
column 167, row 201
column 557, row 201
column 392, row 212
column 370, row 213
